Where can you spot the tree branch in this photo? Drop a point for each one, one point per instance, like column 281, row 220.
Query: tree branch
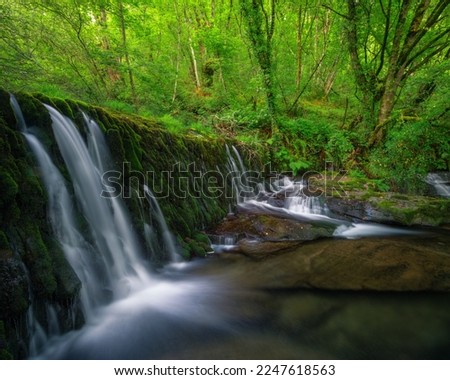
column 387, row 27
column 423, row 62
column 335, row 11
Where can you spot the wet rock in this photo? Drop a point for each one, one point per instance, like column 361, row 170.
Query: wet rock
column 261, row 248
column 380, row 264
column 270, row 228
column 14, row 290
column 392, row 208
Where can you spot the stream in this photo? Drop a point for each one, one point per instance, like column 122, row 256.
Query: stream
column 224, row 306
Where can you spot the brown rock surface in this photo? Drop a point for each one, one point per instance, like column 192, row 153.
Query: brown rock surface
column 382, row 264
column 270, row 227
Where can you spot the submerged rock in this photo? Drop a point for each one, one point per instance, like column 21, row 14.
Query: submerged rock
column 379, row 264
column 261, row 248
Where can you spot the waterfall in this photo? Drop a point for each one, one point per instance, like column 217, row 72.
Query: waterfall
column 241, row 185
column 295, row 199
column 95, row 233
column 440, row 182
column 109, row 224
column 168, row 239
column 21, row 124
column 284, row 195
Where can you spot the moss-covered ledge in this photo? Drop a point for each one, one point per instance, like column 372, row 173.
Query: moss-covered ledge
column 30, row 258
column 361, row 199
column 197, row 193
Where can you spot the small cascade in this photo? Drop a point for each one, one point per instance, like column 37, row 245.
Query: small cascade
column 440, row 182
column 223, row 243
column 21, row 124
column 79, row 253
column 39, row 336
column 36, row 335
column 168, row 239
column 241, row 184
column 283, row 195
column 54, row 329
column 286, row 197
column 295, row 199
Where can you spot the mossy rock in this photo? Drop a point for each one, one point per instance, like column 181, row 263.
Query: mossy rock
column 14, row 286
column 392, row 208
column 37, row 259
column 68, row 283
column 4, row 351
column 196, row 249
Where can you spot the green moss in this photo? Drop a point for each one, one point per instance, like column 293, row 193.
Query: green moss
column 410, row 210
column 196, row 249
column 201, row 237
column 68, row 284
column 4, row 243
column 33, row 110
column 37, row 259
column 8, row 187
column 60, row 104
column 4, row 351
column 400, row 197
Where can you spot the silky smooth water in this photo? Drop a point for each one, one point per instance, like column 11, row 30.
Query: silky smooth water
column 206, row 309
column 202, row 310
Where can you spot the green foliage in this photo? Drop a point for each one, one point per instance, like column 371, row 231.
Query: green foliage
column 303, row 144
column 120, row 106
column 224, row 69
column 172, row 125
column 411, row 150
column 338, row 148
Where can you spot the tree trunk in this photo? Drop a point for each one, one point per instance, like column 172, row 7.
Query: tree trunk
column 261, row 26
column 298, row 78
column 125, row 49
column 198, row 85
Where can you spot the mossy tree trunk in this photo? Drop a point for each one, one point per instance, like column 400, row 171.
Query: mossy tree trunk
column 260, row 29
column 413, row 34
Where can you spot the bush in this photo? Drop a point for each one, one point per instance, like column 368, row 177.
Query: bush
column 411, row 150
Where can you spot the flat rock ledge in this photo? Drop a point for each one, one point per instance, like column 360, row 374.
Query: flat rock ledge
column 381, row 264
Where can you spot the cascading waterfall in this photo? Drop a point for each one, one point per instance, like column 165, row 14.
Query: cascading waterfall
column 108, row 222
column 288, row 198
column 103, row 249
column 79, row 253
column 200, row 309
column 284, row 195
